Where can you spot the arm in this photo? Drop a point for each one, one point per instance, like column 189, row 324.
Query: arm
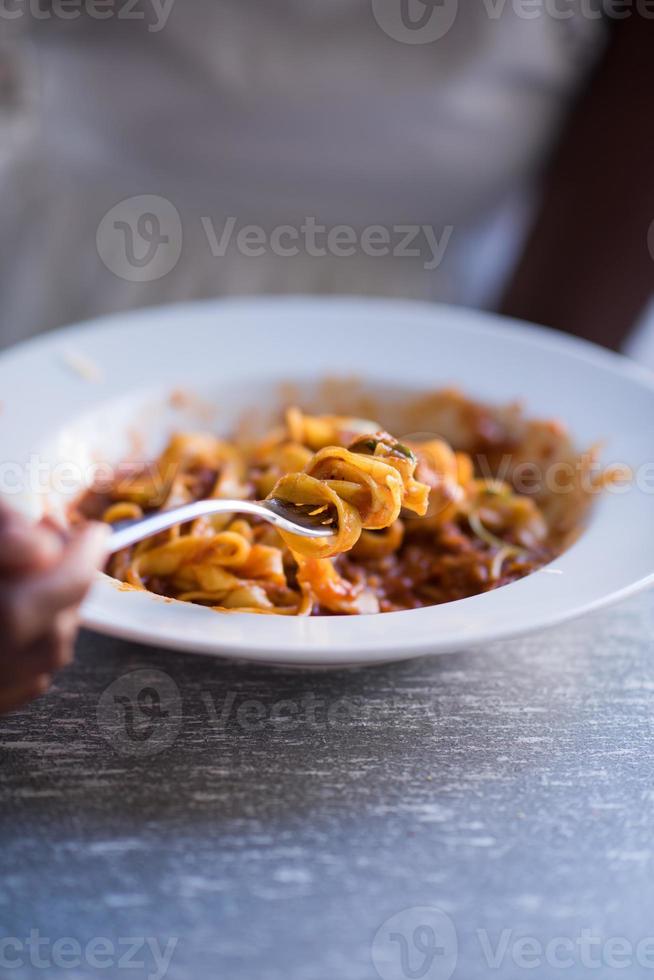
column 587, row 267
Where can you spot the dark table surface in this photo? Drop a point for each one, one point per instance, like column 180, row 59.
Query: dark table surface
column 489, row 813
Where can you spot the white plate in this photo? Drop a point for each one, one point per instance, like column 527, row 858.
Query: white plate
column 234, row 353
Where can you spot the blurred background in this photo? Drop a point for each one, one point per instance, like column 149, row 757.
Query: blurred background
column 496, row 154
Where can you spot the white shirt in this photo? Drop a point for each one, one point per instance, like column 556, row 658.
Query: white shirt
column 272, row 114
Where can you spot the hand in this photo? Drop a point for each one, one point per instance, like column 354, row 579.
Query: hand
column 43, row 579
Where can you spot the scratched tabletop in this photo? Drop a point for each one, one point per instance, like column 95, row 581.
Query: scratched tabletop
column 487, row 813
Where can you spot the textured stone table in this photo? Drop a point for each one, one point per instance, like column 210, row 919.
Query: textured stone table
column 255, row 824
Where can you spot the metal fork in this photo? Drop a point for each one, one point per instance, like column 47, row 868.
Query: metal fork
column 279, row 513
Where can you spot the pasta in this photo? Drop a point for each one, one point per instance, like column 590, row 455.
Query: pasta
column 416, row 523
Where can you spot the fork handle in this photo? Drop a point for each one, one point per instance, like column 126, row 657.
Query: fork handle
column 127, row 533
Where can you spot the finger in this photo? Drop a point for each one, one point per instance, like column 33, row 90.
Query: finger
column 24, row 546
column 46, row 655
column 28, row 609
column 16, row 696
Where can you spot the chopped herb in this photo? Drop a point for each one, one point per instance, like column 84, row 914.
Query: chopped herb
column 365, row 446
column 401, row 450
column 482, row 532
column 369, row 446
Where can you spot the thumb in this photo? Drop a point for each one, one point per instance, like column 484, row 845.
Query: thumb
column 26, row 547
